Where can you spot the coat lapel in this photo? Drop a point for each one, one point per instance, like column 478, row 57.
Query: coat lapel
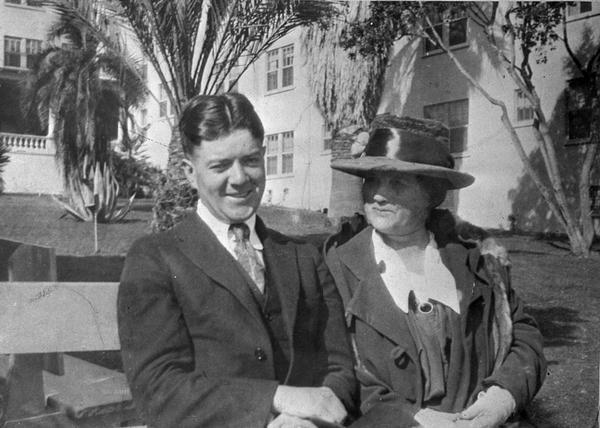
column 282, row 272
column 200, row 245
column 371, row 302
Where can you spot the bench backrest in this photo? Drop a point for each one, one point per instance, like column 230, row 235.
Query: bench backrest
column 42, row 317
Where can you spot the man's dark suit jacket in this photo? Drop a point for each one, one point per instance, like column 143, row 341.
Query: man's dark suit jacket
column 195, row 349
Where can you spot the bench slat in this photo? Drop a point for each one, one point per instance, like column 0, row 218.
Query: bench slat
column 41, row 317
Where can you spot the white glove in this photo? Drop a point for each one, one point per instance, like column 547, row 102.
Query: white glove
column 309, row 403
column 490, row 410
column 288, row 421
column 429, row 418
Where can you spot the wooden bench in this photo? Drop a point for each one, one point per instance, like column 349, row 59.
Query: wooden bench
column 40, row 319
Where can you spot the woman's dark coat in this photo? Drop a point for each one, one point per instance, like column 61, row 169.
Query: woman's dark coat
column 387, row 363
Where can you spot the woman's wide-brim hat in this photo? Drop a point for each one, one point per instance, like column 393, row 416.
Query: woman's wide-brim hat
column 408, row 145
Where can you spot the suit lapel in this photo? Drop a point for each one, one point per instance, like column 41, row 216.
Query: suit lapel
column 371, row 301
column 200, row 245
column 282, row 273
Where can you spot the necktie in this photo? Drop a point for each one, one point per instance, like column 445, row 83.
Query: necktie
column 246, row 255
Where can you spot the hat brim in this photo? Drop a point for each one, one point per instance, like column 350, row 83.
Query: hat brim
column 368, row 165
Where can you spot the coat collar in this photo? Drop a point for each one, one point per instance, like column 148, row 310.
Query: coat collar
column 371, row 301
column 374, row 305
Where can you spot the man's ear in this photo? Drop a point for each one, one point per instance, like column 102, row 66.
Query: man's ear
column 189, row 170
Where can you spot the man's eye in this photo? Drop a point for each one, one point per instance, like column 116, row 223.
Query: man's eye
column 254, row 160
column 220, row 167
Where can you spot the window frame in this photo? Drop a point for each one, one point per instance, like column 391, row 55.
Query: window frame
column 280, row 69
column 277, row 154
column 444, row 25
column 464, row 127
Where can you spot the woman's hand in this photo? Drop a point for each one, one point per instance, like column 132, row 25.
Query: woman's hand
column 490, row 410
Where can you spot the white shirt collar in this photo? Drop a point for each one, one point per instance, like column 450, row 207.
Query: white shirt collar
column 437, row 283
column 221, row 229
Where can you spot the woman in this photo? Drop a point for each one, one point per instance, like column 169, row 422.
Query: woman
column 440, row 338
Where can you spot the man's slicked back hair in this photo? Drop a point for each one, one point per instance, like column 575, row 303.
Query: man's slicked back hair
column 210, row 117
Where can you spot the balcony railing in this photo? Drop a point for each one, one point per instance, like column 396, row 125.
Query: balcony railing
column 23, row 143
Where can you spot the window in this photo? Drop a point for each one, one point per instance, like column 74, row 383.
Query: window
column 452, row 29
column 280, row 153
column 33, row 3
column 33, row 48
column 579, row 7
column 12, row 52
column 280, row 68
column 523, row 107
column 579, row 107
column 287, row 153
column 21, row 53
column 272, row 153
column 455, row 115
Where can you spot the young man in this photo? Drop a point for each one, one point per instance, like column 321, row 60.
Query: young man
column 222, row 321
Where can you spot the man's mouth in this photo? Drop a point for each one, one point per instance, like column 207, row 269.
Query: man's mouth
column 240, row 195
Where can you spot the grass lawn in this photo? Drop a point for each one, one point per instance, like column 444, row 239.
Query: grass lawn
column 561, row 291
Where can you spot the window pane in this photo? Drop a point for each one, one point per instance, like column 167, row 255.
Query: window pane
column 437, row 112
column 585, row 6
column 271, row 165
column 458, row 112
column 458, row 139
column 288, row 142
column 288, row 56
column 271, row 80
column 287, row 163
column 35, row 3
column 272, row 146
column 273, row 60
column 13, row 1
column 457, row 32
column 327, row 143
column 429, row 44
column 32, row 49
column 12, row 52
column 287, row 77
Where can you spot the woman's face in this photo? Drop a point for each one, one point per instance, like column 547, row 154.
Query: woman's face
column 395, row 203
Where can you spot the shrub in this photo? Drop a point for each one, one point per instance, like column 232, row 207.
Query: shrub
column 136, row 175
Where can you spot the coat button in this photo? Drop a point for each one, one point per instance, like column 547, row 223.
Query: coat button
column 260, row 354
column 269, row 316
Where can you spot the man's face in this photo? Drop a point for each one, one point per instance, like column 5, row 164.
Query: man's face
column 395, row 203
column 229, row 174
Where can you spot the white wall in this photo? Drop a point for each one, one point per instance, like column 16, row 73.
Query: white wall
column 415, row 80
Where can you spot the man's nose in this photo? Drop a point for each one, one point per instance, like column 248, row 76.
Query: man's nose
column 238, row 174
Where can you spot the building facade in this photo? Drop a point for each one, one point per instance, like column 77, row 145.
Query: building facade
column 32, row 167
column 423, row 82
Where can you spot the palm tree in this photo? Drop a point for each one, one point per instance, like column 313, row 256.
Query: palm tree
column 83, row 79
column 193, row 45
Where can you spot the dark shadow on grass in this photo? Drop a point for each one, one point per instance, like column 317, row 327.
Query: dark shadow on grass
column 558, row 325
